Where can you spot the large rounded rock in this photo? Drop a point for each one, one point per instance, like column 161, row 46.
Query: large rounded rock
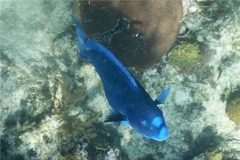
column 137, row 32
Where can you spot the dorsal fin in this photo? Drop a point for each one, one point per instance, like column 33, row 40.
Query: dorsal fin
column 161, row 98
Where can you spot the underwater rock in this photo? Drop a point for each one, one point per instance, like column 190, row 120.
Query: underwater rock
column 137, row 32
column 52, row 103
column 233, row 107
column 214, row 155
column 212, row 9
column 185, row 56
column 206, row 141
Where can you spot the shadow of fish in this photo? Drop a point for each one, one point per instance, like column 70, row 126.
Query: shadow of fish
column 131, row 105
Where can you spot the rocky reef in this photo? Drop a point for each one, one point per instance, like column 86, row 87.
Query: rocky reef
column 53, row 104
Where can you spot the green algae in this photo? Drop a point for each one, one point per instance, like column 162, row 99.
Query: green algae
column 233, row 104
column 72, row 124
column 218, row 154
column 214, row 155
column 233, row 111
column 185, row 56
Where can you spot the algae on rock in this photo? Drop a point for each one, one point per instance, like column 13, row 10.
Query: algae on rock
column 233, row 111
column 185, row 56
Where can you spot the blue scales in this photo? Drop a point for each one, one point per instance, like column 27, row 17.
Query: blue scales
column 131, row 104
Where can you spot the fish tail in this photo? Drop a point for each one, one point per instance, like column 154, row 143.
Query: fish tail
column 82, row 38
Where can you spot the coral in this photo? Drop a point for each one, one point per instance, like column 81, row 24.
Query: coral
column 234, row 111
column 66, row 89
column 185, row 56
column 233, row 107
column 52, row 103
column 231, row 154
column 204, row 74
column 214, row 155
column 72, row 125
column 147, row 30
column 88, row 140
column 213, row 9
column 206, row 141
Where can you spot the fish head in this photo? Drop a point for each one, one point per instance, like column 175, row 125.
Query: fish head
column 150, row 124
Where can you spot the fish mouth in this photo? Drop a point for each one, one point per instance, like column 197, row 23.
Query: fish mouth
column 163, row 134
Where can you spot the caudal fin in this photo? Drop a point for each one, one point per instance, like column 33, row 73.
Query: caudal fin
column 82, row 38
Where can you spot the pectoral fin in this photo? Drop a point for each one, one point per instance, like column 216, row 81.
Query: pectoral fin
column 161, row 98
column 115, row 116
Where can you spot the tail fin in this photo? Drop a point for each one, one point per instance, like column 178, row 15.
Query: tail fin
column 82, row 38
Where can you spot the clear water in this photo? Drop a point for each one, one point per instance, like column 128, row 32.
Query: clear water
column 53, row 104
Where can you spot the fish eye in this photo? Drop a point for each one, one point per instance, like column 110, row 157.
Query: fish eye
column 157, row 121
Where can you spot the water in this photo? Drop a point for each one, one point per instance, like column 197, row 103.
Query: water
column 53, row 104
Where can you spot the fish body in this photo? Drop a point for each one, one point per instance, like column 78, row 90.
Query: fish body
column 131, row 104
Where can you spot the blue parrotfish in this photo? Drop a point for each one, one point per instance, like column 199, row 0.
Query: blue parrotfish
column 130, row 104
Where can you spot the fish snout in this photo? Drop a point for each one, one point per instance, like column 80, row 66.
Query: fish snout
column 163, row 134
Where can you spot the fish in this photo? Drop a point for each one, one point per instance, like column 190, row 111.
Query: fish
column 130, row 104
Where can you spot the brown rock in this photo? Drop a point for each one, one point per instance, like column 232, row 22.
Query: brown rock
column 137, row 32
